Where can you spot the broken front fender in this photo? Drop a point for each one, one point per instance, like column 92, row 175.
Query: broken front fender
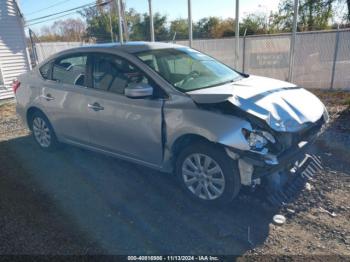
column 187, row 119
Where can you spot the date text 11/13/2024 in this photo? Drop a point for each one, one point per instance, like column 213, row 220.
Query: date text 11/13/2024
column 173, row 258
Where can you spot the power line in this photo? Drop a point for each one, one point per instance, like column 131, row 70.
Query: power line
column 57, row 17
column 39, row 10
column 54, row 18
column 72, row 9
column 65, row 11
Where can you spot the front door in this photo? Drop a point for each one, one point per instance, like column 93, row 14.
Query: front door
column 126, row 126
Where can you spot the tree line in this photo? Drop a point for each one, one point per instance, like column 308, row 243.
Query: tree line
column 96, row 23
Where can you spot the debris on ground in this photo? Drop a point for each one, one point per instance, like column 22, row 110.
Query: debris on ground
column 332, row 214
column 308, row 186
column 279, row 220
column 290, row 211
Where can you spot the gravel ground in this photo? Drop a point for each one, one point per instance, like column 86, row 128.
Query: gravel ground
column 78, row 202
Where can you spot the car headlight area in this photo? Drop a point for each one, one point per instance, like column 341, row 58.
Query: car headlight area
column 258, row 139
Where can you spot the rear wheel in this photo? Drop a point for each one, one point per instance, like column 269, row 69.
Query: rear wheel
column 43, row 132
column 207, row 173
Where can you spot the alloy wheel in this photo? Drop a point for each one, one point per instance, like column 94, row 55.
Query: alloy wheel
column 203, row 176
column 41, row 132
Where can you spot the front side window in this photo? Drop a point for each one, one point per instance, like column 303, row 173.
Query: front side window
column 187, row 69
column 114, row 74
column 70, row 70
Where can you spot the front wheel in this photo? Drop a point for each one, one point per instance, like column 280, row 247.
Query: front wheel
column 208, row 174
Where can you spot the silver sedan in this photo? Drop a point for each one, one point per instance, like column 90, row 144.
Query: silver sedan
column 174, row 109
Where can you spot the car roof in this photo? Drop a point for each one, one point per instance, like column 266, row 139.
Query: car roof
column 131, row 47
column 128, row 47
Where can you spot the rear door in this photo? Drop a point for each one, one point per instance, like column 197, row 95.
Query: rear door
column 63, row 97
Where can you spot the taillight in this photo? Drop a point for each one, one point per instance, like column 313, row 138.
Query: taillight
column 15, row 85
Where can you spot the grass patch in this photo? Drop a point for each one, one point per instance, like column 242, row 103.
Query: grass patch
column 7, row 110
column 333, row 97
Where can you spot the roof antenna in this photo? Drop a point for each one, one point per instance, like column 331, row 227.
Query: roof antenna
column 174, row 37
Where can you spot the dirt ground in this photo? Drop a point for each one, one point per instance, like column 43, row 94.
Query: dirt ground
column 77, row 202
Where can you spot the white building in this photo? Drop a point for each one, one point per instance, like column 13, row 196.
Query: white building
column 14, row 56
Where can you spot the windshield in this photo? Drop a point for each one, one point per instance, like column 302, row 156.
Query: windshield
column 187, row 69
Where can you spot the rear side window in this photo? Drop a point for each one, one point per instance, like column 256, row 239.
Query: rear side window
column 70, row 70
column 45, row 70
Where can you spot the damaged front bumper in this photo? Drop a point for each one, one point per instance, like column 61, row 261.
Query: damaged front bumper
column 283, row 180
column 283, row 175
column 281, row 193
column 255, row 167
column 269, row 164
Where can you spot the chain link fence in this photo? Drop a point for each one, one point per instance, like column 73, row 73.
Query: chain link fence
column 321, row 59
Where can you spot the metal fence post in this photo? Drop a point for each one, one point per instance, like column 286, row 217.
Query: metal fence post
column 190, row 33
column 292, row 42
column 243, row 51
column 237, row 36
column 33, row 47
column 110, row 23
column 335, row 56
column 151, row 24
column 119, row 21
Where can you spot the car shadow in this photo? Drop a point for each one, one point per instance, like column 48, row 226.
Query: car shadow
column 130, row 209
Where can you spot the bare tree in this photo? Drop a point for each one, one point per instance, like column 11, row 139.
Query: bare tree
column 64, row 30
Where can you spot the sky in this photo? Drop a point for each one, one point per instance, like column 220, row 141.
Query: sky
column 172, row 8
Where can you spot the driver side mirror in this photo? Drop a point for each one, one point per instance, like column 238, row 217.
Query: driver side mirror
column 139, row 90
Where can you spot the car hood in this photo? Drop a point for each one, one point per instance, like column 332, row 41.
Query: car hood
column 284, row 106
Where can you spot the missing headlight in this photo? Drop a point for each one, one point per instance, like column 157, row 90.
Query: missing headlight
column 257, row 139
column 268, row 136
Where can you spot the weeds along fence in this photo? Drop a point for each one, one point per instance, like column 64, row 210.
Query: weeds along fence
column 321, row 59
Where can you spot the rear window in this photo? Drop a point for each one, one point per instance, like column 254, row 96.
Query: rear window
column 45, row 70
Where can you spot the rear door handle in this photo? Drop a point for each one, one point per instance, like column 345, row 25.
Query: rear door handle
column 96, row 106
column 48, row 97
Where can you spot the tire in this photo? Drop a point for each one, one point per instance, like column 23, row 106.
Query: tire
column 42, row 131
column 225, row 178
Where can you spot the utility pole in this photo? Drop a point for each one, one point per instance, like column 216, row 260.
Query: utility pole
column 292, row 41
column 190, row 33
column 151, row 25
column 237, row 36
column 120, row 28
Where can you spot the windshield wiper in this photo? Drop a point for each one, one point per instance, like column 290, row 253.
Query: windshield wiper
column 223, row 83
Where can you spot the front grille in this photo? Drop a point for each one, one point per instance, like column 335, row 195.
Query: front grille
column 308, row 132
column 289, row 139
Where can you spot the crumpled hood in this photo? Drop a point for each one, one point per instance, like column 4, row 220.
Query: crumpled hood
column 284, row 106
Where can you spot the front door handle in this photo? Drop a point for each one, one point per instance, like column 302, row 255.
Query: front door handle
column 48, row 97
column 95, row 106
